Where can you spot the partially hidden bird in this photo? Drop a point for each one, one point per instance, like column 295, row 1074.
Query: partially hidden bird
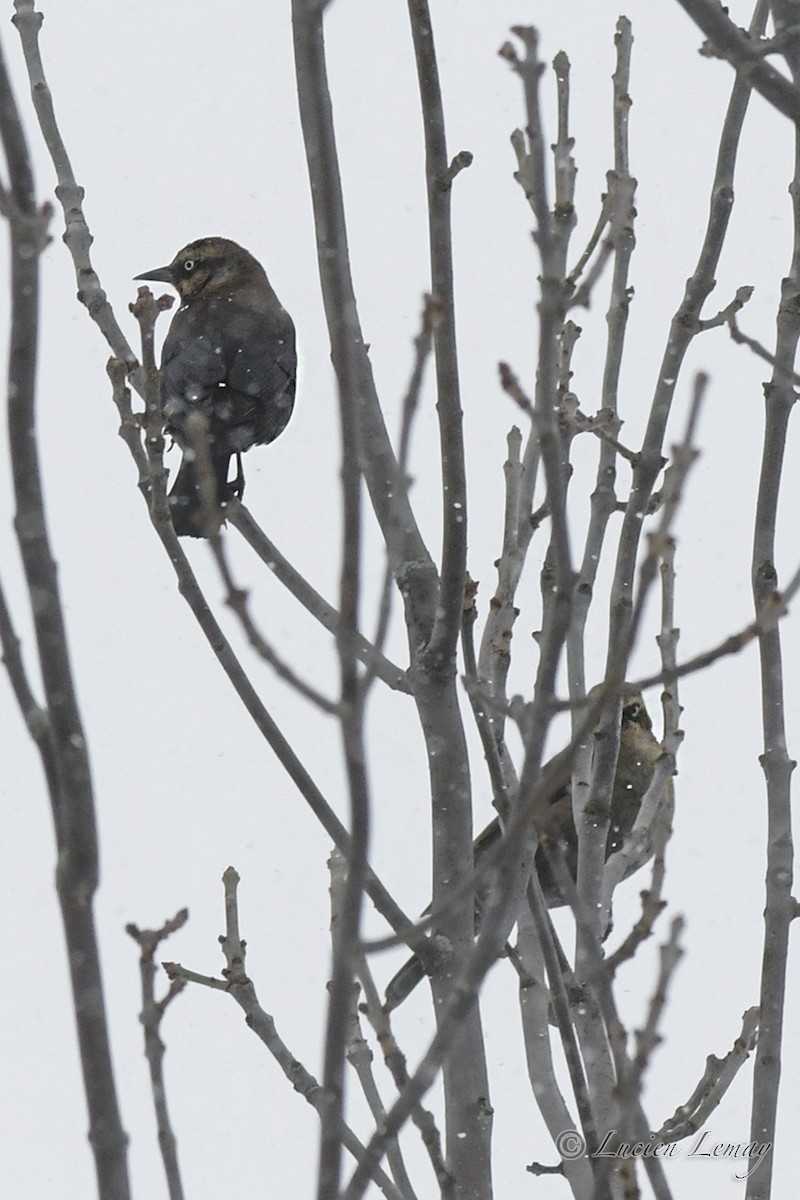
column 639, row 750
column 229, row 355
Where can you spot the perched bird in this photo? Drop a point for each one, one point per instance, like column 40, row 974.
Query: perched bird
column 230, row 355
column 639, row 751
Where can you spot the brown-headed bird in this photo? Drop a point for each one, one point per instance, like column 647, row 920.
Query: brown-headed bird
column 230, row 355
column 639, row 750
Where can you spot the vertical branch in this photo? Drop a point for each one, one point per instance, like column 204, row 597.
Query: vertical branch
column 564, row 217
column 684, row 326
column 780, row 398
column 587, row 783
column 557, row 572
column 551, row 307
column 346, row 930
column 348, row 354
column 359, row 1054
column 495, row 653
column 552, row 237
column 365, row 448
column 151, row 1016
column 535, row 1012
column 465, row 1081
column 70, row 780
column 603, row 500
column 592, row 796
column 466, row 1085
column 77, row 237
column 411, row 563
column 439, row 177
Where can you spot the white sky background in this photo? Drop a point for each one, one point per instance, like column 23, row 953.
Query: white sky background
column 181, row 121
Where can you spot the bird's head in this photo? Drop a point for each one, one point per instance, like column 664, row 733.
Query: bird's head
column 634, row 711
column 212, row 264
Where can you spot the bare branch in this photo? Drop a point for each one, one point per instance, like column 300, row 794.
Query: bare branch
column 211, row 517
column 648, row 1038
column 237, row 515
column 358, row 1051
column 780, row 398
column 743, row 53
column 70, row 195
column 151, row 1016
column 760, row 351
column 241, row 988
column 438, row 175
column 423, row 345
column 716, row 1079
column 465, row 1077
column 682, row 329
column 727, row 315
column 65, row 759
column 774, row 608
column 237, row 599
column 34, row 715
column 396, row 1063
column 359, row 1056
column 621, row 192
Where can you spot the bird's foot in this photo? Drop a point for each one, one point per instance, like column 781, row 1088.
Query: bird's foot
column 235, row 487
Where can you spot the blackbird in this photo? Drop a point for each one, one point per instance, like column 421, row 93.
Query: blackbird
column 638, row 752
column 230, row 355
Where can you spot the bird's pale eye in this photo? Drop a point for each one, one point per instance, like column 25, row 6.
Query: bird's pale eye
column 188, row 265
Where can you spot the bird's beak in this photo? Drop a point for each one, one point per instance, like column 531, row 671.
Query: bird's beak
column 157, row 275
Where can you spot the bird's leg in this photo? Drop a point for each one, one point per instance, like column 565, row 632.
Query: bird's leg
column 236, row 486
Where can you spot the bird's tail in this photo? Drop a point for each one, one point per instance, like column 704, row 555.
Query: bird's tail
column 403, row 983
column 185, row 505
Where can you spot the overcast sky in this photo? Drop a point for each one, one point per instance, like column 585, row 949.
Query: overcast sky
column 181, row 121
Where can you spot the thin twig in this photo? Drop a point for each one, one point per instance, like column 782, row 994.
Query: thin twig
column 438, row 177
column 77, row 237
column 743, row 53
column 151, row 1016
column 34, row 715
column 237, row 982
column 714, row 1083
column 682, row 329
column 602, row 220
column 237, row 599
column 621, row 193
column 648, row 1038
column 237, row 515
column 210, row 520
column 396, row 1063
column 359, row 1053
column 727, row 315
column 742, row 339
column 423, row 345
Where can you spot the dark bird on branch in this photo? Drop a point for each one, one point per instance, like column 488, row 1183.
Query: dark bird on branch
column 639, row 750
column 229, row 355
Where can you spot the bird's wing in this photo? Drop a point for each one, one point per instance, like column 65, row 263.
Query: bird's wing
column 260, row 354
column 192, row 361
column 260, row 381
